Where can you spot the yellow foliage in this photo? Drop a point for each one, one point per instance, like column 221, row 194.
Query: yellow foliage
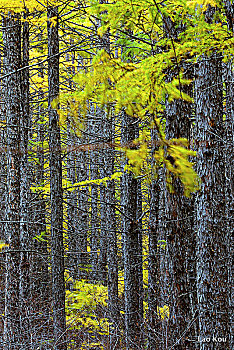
column 71, row 187
column 163, row 312
column 136, row 158
column 3, row 245
column 82, row 303
column 121, row 283
column 203, row 4
column 20, row 5
column 87, row 345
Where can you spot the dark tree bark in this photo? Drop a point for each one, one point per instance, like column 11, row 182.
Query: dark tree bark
column 25, row 239
column 102, row 259
column 83, row 205
column 140, row 258
column 12, row 60
column 154, row 280
column 72, row 211
column 111, row 238
column 158, row 269
column 229, row 166
column 2, row 144
column 229, row 159
column 3, row 180
column 212, row 245
column 56, row 193
column 103, row 163
column 229, row 10
column 105, row 132
column 40, row 287
column 108, row 259
column 40, row 277
column 130, row 245
column 94, row 131
column 180, row 238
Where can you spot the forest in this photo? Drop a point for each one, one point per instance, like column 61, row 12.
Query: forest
column 116, row 185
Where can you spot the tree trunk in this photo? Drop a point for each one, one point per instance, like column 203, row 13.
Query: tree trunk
column 72, row 212
column 40, row 276
column 94, row 129
column 229, row 166
column 140, row 258
column 12, row 40
column 3, row 180
column 56, row 193
column 212, row 245
column 229, row 160
column 154, row 331
column 83, row 206
column 103, row 163
column 111, row 239
column 180, row 237
column 130, row 245
column 229, row 10
column 25, row 239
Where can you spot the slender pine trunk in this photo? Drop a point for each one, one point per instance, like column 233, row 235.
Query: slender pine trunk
column 56, row 193
column 130, row 245
column 111, row 239
column 94, row 129
column 72, row 211
column 83, row 205
column 25, row 239
column 103, row 163
column 154, row 280
column 12, row 60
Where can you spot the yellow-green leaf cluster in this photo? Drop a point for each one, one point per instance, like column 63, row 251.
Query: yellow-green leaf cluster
column 82, row 304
